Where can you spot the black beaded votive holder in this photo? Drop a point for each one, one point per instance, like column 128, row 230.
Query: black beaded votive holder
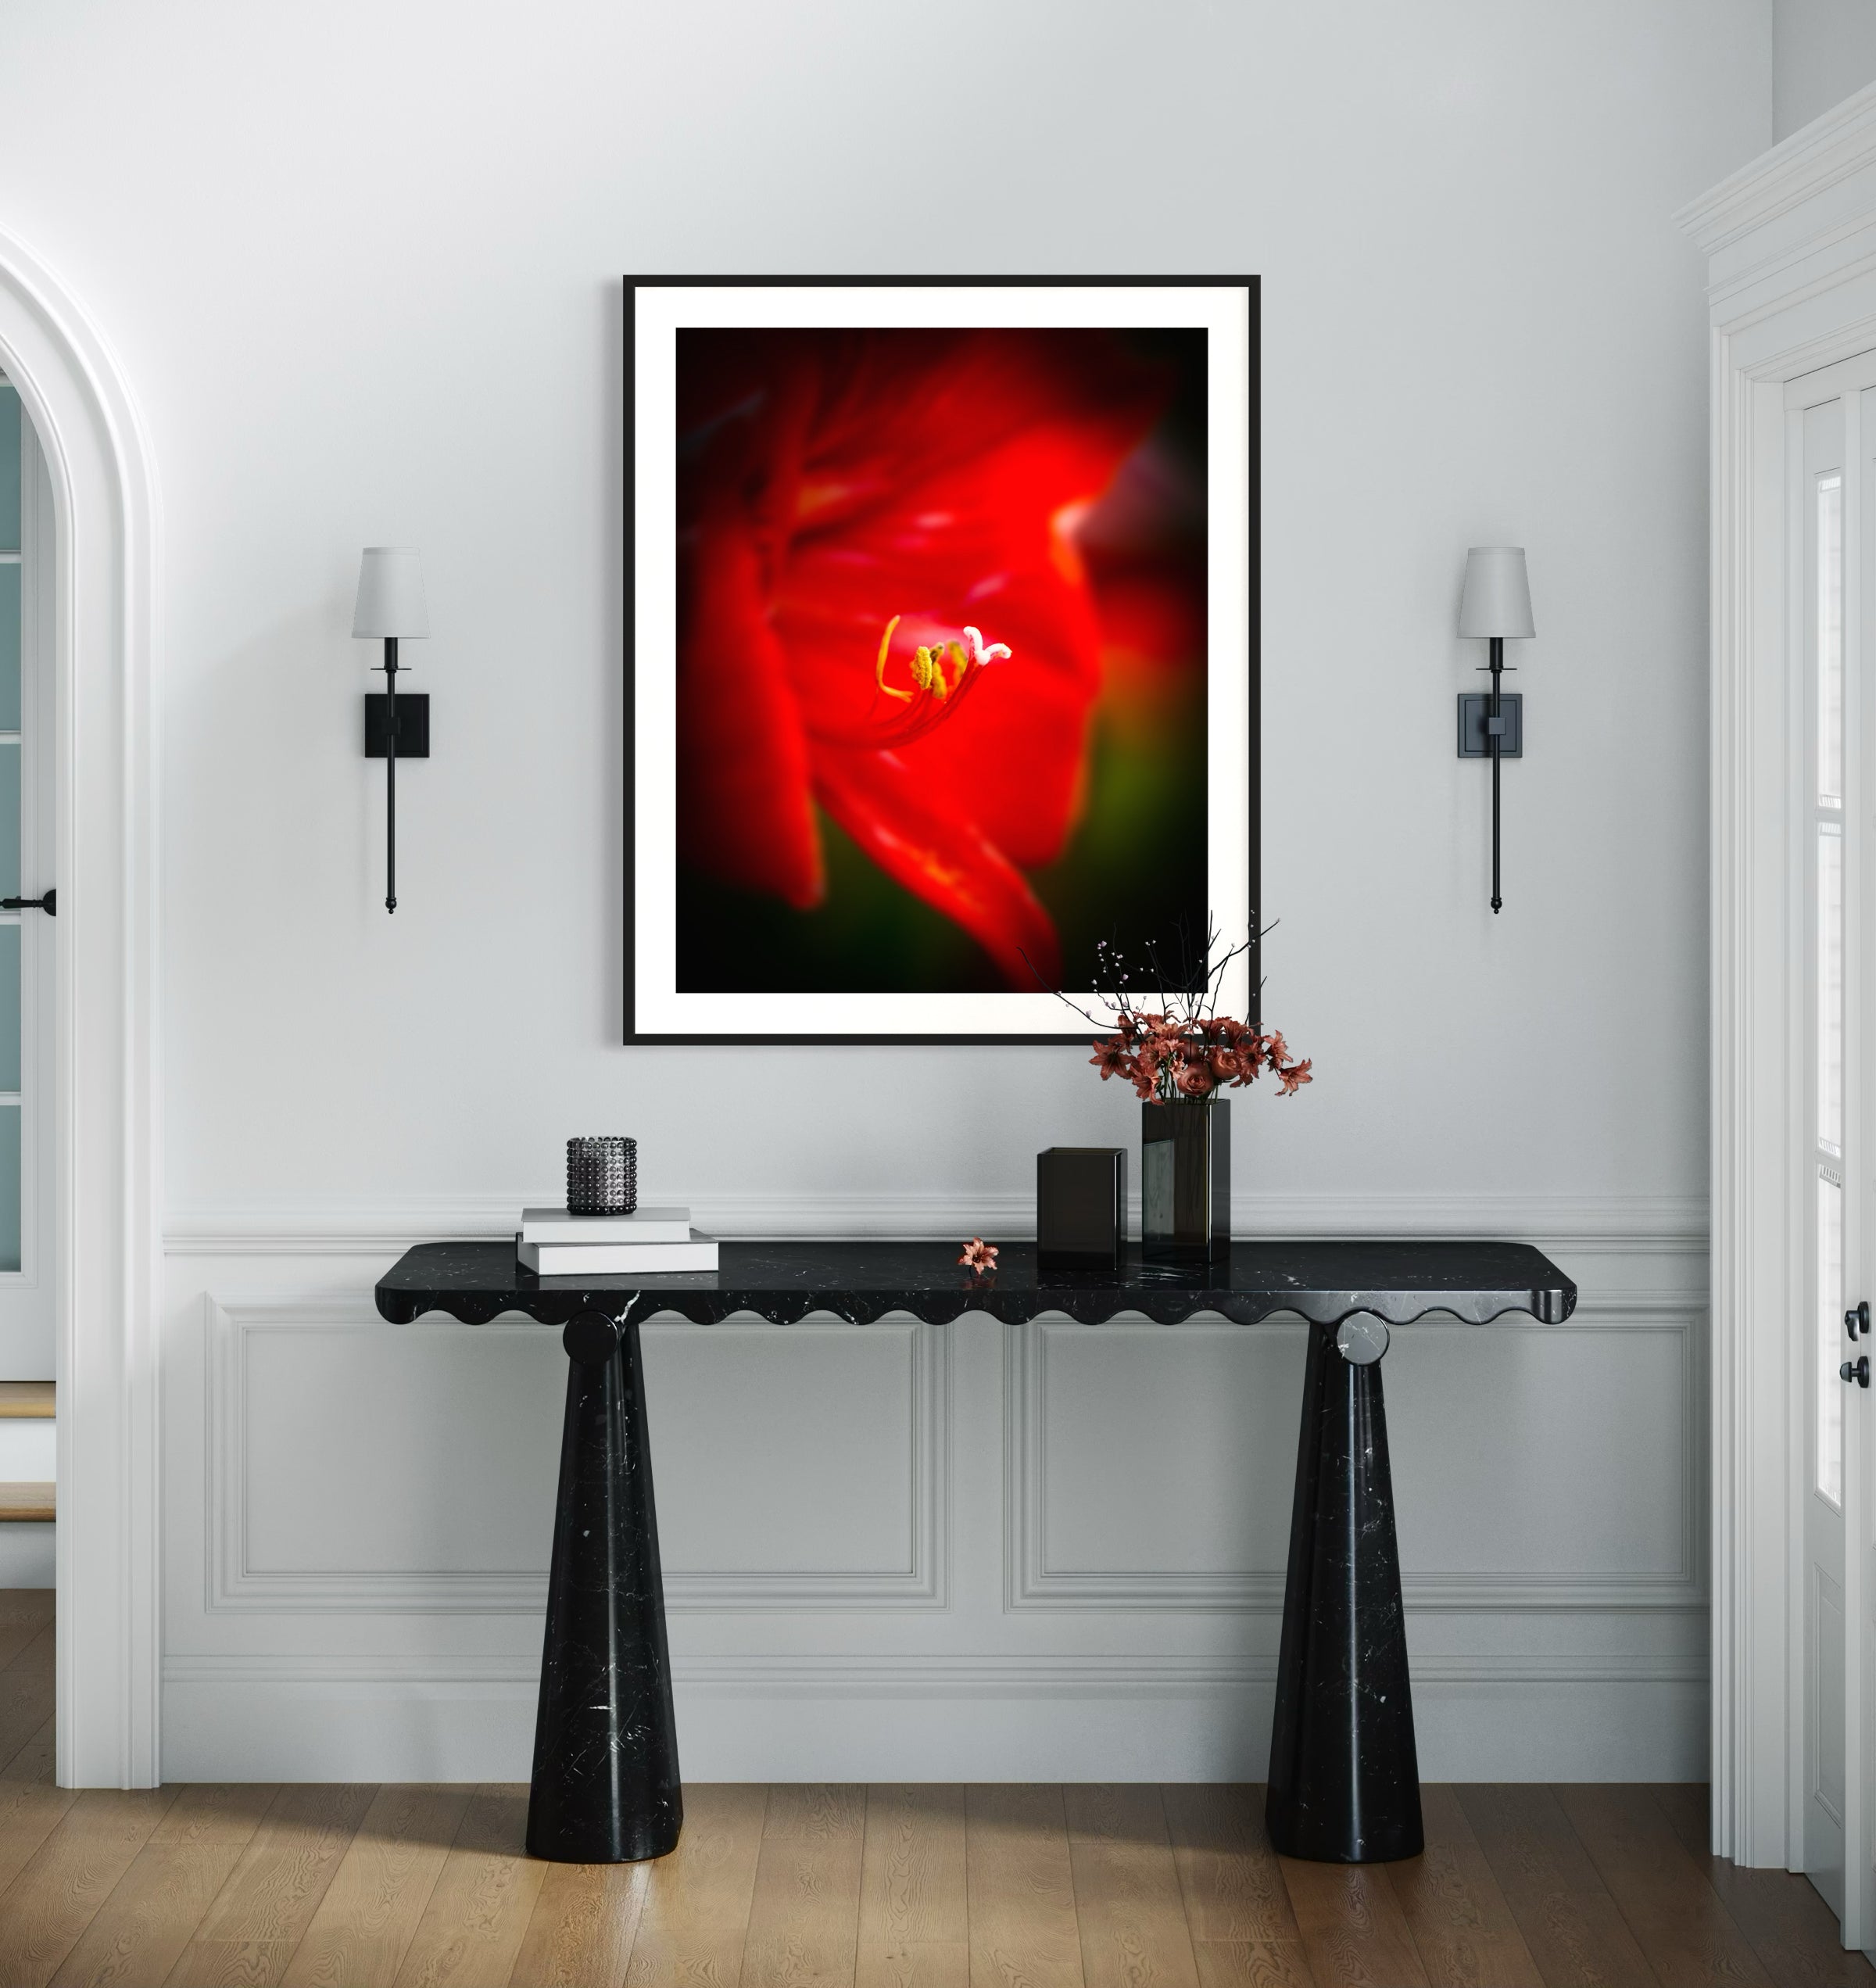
column 602, row 1176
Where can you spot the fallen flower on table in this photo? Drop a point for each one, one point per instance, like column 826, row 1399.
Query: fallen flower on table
column 979, row 1254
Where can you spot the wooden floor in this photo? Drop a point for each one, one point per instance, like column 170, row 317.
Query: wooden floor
column 913, row 1886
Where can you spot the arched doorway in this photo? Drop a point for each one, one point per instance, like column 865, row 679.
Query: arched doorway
column 74, row 392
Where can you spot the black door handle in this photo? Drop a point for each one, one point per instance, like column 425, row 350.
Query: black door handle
column 48, row 904
column 1857, row 1322
column 1855, row 1370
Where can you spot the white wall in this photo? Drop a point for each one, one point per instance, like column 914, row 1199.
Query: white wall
column 361, row 263
column 1823, row 51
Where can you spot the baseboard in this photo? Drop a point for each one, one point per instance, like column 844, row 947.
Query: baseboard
column 1620, row 1719
column 1604, row 1222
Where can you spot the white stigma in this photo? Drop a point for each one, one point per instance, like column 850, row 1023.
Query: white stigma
column 973, row 642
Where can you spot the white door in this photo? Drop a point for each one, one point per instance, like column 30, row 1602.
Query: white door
column 28, row 870
column 1831, row 443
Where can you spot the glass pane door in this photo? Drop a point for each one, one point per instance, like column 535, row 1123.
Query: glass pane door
column 12, row 964
column 1825, row 506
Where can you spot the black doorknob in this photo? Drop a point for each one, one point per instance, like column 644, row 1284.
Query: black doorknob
column 1857, row 1322
column 1855, row 1370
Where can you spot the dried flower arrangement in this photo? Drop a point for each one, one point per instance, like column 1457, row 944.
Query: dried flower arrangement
column 1185, row 1049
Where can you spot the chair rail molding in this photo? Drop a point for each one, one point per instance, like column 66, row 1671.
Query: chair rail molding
column 1790, row 245
column 1611, row 1224
column 108, row 1550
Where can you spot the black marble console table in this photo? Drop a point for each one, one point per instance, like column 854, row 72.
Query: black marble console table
column 1345, row 1782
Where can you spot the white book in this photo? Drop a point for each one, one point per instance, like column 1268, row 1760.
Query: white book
column 606, row 1259
column 556, row 1226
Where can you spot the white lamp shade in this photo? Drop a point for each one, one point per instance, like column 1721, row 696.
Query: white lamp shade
column 391, row 593
column 1497, row 599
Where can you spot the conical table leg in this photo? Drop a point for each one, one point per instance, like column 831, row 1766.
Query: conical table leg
column 606, row 1788
column 1344, row 1779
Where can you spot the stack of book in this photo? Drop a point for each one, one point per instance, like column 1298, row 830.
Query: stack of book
column 553, row 1244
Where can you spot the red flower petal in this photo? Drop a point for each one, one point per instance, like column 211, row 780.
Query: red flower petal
column 940, row 856
column 744, row 811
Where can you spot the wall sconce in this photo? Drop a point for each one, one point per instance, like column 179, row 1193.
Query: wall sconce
column 1496, row 605
column 391, row 607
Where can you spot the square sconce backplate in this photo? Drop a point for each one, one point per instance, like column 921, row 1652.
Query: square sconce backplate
column 1473, row 708
column 413, row 724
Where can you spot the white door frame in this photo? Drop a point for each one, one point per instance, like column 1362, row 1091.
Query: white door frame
column 1791, row 243
column 108, row 1644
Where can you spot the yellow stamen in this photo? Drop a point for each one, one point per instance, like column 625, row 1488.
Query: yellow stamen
column 928, row 671
column 886, row 642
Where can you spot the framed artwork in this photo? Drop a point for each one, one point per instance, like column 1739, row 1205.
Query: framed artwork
column 941, row 650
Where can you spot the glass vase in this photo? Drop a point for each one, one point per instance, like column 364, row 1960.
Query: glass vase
column 1185, row 1182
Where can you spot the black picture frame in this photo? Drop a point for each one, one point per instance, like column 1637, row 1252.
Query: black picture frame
column 1251, row 285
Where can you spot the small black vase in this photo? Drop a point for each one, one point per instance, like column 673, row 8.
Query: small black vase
column 1185, row 1182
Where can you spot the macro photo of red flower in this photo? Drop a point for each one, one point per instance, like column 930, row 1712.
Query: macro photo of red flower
column 940, row 667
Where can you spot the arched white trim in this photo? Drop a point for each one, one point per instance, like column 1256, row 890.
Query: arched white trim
column 107, row 1534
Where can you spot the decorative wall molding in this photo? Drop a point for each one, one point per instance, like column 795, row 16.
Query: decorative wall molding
column 1828, row 150
column 235, row 1586
column 1030, row 1584
column 928, row 1676
column 1607, row 1223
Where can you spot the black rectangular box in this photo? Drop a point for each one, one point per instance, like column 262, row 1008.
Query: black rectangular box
column 1081, row 1208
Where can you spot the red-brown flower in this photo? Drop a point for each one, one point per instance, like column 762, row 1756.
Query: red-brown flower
column 832, row 483
column 979, row 1255
column 1293, row 1076
column 1112, row 1058
column 1194, row 1080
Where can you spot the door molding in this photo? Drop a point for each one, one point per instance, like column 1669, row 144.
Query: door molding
column 107, row 1248
column 1791, row 246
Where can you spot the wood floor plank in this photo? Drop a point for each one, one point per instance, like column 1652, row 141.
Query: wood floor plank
column 1793, row 1931
column 263, row 1911
column 35, row 1762
column 15, row 1636
column 1252, row 1964
column 695, row 1916
column 805, row 1916
column 1127, row 1897
column 1354, row 1934
column 580, row 1932
column 1572, row 1925
column 34, row 1604
column 1228, row 1872
column 30, row 1806
column 473, row 1927
column 1462, row 1928
column 915, row 1921
column 141, row 1929
column 233, row 1963
column 58, row 1890
column 377, row 1898
column 1021, row 1884
column 25, row 1692
column 1689, row 1937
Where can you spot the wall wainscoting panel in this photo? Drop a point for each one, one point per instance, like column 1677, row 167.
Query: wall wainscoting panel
column 1154, row 1468
column 355, row 1467
column 900, row 1551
